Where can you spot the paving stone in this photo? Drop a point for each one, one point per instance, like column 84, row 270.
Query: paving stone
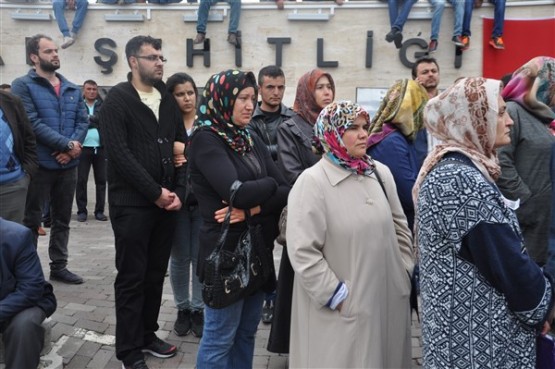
column 78, row 362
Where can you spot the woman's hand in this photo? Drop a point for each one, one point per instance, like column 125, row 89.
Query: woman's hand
column 546, row 328
column 179, row 154
column 237, row 215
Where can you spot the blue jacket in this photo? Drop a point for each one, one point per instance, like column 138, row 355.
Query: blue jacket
column 22, row 283
column 55, row 120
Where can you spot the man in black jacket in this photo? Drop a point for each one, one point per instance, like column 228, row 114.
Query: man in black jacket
column 270, row 112
column 18, row 161
column 139, row 122
column 26, row 299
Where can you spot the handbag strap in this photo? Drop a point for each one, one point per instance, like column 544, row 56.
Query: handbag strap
column 227, row 219
column 380, row 182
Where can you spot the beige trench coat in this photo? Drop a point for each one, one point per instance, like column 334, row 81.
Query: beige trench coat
column 341, row 227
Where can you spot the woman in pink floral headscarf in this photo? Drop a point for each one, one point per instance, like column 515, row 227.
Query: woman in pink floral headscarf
column 525, row 163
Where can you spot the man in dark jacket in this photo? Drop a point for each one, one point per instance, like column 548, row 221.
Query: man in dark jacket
column 270, row 112
column 26, row 299
column 57, row 113
column 92, row 155
column 139, row 123
column 18, row 159
column 268, row 115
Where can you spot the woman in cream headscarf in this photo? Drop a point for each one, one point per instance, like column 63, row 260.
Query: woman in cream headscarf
column 530, row 96
column 393, row 132
column 483, row 299
column 350, row 248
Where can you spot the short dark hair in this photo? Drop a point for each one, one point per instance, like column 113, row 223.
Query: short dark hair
column 134, row 45
column 179, row 78
column 270, row 71
column 90, row 82
column 32, row 45
column 424, row 59
column 5, row 86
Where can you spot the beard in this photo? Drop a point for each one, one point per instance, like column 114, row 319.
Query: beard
column 48, row 66
column 149, row 78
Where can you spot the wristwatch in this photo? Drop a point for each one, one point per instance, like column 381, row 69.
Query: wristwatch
column 70, row 146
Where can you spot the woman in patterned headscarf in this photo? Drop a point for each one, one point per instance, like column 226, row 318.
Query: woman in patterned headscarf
column 295, row 139
column 350, row 248
column 525, row 163
column 483, row 299
column 392, row 135
column 222, row 151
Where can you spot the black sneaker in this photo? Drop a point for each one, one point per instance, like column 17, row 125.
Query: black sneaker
column 197, row 322
column 182, row 325
column 160, row 349
column 65, row 276
column 267, row 312
column 82, row 217
column 100, row 216
column 139, row 364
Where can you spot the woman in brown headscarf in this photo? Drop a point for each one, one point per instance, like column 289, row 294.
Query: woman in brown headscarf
column 295, row 136
column 483, row 299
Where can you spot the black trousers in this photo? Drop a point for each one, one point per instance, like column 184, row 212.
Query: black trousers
column 95, row 157
column 143, row 238
column 23, row 338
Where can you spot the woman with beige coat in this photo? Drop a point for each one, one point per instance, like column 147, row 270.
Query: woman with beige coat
column 350, row 248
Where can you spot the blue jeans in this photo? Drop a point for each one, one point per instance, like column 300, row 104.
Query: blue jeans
column 234, row 16
column 398, row 18
column 498, row 17
column 228, row 338
column 184, row 256
column 468, row 8
column 438, row 7
column 81, row 7
column 59, row 186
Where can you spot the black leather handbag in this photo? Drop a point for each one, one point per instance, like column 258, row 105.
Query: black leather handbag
column 231, row 275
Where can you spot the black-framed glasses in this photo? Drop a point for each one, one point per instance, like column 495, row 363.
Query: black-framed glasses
column 152, row 58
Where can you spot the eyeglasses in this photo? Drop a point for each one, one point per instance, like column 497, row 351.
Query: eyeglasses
column 152, row 58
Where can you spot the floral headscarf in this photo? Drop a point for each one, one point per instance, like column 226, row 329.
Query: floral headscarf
column 533, row 87
column 330, row 126
column 216, row 107
column 400, row 109
column 464, row 118
column 305, row 103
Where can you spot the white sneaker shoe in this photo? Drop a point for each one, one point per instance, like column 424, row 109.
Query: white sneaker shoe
column 68, row 41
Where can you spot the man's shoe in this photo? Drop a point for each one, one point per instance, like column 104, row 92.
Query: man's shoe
column 497, row 43
column 41, row 231
column 65, row 276
column 457, row 40
column 100, row 216
column 82, row 217
column 432, row 47
column 182, row 325
column 232, row 39
column 140, row 364
column 160, row 349
column 199, row 39
column 466, row 42
column 197, row 323
column 268, row 312
column 393, row 34
column 68, row 41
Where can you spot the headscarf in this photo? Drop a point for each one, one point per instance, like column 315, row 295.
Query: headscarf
column 305, row 103
column 400, row 109
column 464, row 118
column 330, row 126
column 533, row 87
column 216, row 107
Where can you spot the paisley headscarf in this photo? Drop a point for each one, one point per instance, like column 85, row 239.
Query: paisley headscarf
column 216, row 107
column 533, row 87
column 330, row 126
column 464, row 118
column 305, row 103
column 400, row 109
